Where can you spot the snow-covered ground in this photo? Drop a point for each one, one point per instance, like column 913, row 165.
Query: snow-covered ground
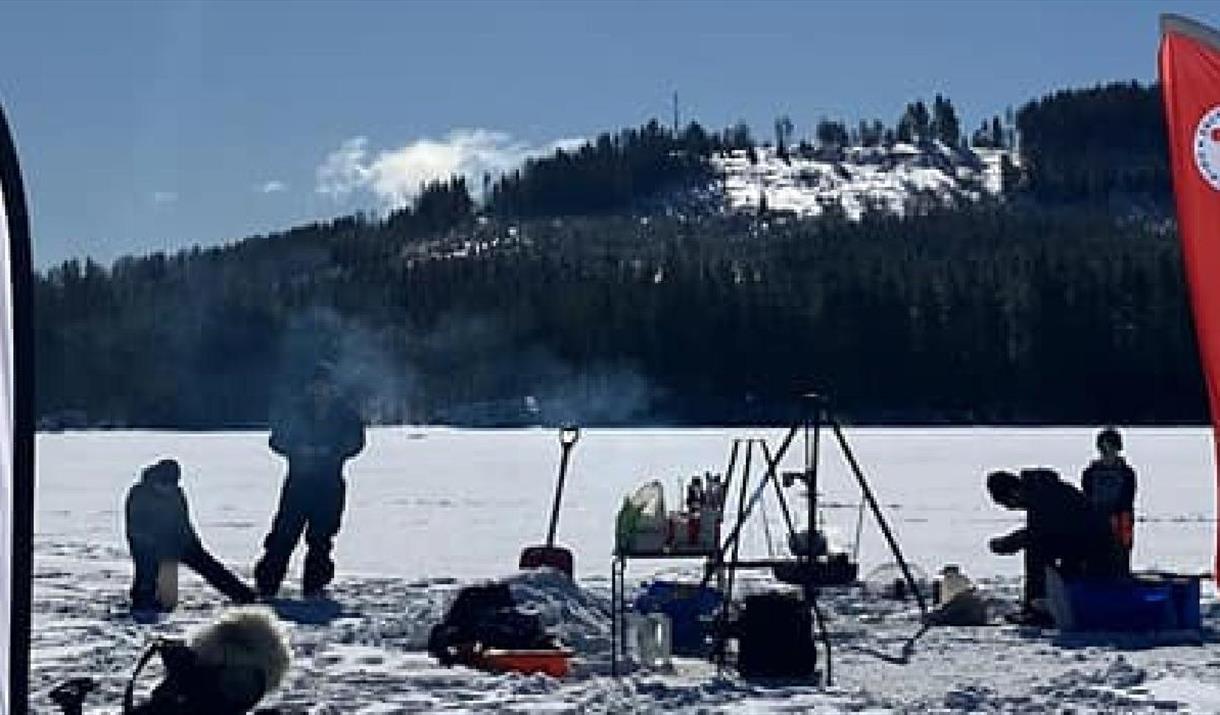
column 880, row 178
column 430, row 509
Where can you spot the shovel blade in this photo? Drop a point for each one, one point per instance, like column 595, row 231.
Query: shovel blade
column 556, row 557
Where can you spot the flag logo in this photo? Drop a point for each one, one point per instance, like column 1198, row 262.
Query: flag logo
column 1207, row 147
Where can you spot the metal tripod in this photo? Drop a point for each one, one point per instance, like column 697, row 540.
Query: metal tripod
column 726, row 560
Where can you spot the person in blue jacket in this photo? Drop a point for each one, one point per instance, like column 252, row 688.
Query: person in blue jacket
column 317, row 435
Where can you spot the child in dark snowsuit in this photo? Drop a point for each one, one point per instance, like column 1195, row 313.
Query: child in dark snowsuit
column 159, row 529
column 1109, row 485
column 317, row 437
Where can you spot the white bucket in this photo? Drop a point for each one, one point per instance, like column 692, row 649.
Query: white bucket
column 650, row 639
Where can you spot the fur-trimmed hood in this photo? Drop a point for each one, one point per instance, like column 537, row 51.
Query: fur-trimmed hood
column 249, row 648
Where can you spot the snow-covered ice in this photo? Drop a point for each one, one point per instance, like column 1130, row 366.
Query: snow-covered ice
column 431, row 509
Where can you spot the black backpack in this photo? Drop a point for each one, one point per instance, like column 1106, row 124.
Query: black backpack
column 485, row 616
column 775, row 637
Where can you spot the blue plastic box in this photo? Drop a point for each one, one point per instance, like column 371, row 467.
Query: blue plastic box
column 691, row 610
column 1144, row 603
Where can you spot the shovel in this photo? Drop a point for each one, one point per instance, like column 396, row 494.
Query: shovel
column 557, row 557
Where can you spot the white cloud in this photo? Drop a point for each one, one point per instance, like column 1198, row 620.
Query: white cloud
column 164, row 197
column 344, row 169
column 394, row 176
column 274, row 186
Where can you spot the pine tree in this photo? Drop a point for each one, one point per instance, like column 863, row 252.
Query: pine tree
column 981, row 137
column 1010, row 175
column 832, row 135
column 945, row 125
column 783, row 135
column 921, row 122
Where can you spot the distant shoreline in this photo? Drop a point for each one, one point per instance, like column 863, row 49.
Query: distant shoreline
column 647, row 426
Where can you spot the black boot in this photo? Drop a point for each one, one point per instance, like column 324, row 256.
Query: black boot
column 1031, row 616
column 268, row 574
column 70, row 696
column 319, row 571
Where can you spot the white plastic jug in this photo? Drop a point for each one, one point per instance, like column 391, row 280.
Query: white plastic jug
column 650, row 636
column 167, row 584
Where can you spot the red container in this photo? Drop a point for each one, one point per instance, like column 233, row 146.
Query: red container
column 556, row 663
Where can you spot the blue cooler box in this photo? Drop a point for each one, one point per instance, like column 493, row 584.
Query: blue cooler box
column 691, row 612
column 1143, row 603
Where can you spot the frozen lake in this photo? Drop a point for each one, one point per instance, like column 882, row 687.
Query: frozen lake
column 431, row 502
column 431, row 508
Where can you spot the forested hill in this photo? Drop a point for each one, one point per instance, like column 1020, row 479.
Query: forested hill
column 614, row 285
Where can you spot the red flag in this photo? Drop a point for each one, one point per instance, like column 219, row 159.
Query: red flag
column 1190, row 87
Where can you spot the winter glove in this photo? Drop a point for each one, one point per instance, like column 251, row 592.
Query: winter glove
column 1004, row 545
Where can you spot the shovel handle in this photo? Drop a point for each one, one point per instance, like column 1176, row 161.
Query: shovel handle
column 568, row 434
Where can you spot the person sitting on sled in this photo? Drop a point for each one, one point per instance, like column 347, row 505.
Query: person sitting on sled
column 1109, row 485
column 319, row 434
column 1061, row 530
column 159, row 530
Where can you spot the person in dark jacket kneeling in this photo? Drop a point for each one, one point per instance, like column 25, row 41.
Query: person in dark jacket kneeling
column 317, row 436
column 1061, row 530
column 159, row 529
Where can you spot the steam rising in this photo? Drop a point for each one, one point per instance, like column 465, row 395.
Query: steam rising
column 467, row 370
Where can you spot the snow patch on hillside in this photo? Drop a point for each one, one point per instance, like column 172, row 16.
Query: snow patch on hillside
column 901, row 179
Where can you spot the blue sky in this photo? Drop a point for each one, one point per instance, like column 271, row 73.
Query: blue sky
column 151, row 126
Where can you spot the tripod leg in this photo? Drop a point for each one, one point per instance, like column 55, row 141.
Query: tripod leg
column 773, row 471
column 877, row 514
column 811, row 595
column 743, row 509
column 614, row 617
column 743, row 513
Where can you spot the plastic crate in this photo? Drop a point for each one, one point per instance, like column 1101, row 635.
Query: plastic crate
column 1143, row 603
column 691, row 610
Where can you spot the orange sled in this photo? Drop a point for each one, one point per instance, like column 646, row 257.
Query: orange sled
column 556, row 663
